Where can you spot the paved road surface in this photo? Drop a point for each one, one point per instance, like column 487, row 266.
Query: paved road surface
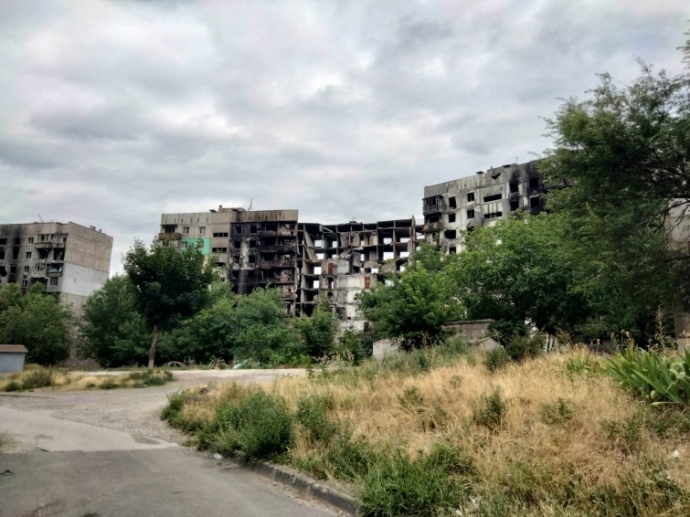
column 103, row 453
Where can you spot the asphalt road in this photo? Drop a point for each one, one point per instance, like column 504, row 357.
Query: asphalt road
column 90, row 462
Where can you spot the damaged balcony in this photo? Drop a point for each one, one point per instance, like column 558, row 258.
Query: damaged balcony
column 169, row 236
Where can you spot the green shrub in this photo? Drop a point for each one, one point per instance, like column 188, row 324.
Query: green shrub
column 525, row 347
column 350, row 458
column 557, row 412
column 311, row 414
column 259, row 426
column 496, row 359
column 13, row 386
column 490, row 411
column 108, row 385
column 176, row 402
column 652, row 376
column 625, row 435
column 583, row 362
column 39, row 378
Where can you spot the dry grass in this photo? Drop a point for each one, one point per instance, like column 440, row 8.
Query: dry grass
column 565, row 439
column 63, row 380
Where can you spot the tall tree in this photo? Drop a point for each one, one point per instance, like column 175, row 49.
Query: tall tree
column 626, row 153
column 168, row 286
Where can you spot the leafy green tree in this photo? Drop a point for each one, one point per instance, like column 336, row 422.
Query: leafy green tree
column 263, row 333
column 626, row 153
column 111, row 329
column 36, row 320
column 518, row 273
column 169, row 286
column 416, row 303
column 318, row 331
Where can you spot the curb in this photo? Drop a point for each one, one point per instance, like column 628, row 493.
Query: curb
column 303, row 484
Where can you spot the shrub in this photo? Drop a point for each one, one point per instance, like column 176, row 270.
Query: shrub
column 108, row 385
column 13, row 386
column 626, row 434
column 176, row 402
column 525, row 347
column 490, row 411
column 39, row 378
column 311, row 414
column 557, row 412
column 584, row 362
column 496, row 359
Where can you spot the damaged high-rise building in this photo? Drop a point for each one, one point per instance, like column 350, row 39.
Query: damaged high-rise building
column 71, row 260
column 304, row 261
column 453, row 207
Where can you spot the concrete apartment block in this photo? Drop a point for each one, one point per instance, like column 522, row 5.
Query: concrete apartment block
column 304, row 261
column 458, row 205
column 71, row 260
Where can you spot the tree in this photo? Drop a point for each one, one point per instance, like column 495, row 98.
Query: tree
column 111, row 329
column 318, row 331
column 626, row 153
column 36, row 320
column 417, row 303
column 168, row 286
column 518, row 273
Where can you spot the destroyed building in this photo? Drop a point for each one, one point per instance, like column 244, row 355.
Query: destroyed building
column 455, row 206
column 304, row 261
column 71, row 260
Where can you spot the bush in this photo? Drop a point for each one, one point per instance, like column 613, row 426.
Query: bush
column 311, row 414
column 581, row 363
column 13, row 386
column 496, row 359
column 40, row 378
column 525, row 347
column 176, row 402
column 557, row 412
column 490, row 411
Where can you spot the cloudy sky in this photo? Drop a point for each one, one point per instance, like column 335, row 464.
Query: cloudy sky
column 115, row 111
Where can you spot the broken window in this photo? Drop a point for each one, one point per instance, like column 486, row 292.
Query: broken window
column 31, row 240
column 534, row 202
column 470, row 197
column 26, row 269
column 43, row 254
column 493, row 197
column 470, row 214
column 534, row 183
column 166, row 229
column 2, row 254
column 253, row 228
column 514, row 205
column 3, row 241
column 452, row 250
column 13, row 270
column 15, row 253
column 513, row 188
column 238, row 229
column 451, row 202
column 451, row 218
column 451, row 234
column 493, row 215
column 252, row 259
column 58, row 255
column 17, row 240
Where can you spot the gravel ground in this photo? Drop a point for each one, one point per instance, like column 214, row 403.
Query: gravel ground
column 135, row 411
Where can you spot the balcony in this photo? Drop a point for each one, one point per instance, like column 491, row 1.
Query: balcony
column 48, row 245
column 432, row 227
column 169, row 236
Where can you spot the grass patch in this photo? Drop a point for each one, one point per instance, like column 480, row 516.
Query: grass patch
column 39, row 377
column 434, row 431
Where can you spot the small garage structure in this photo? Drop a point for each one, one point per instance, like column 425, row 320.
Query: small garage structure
column 12, row 358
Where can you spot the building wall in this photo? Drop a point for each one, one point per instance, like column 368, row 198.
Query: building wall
column 71, row 260
column 11, row 362
column 456, row 206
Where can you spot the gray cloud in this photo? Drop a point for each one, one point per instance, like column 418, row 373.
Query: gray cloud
column 116, row 111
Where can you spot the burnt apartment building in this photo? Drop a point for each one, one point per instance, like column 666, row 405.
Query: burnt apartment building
column 452, row 207
column 304, row 261
column 71, row 260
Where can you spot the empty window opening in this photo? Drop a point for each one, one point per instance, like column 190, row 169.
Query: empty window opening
column 470, row 214
column 58, row 255
column 452, row 250
column 17, row 240
column 534, row 202
column 318, row 243
column 451, row 234
column 493, row 215
column 452, row 203
column 404, row 254
column 514, row 188
column 493, row 197
column 315, row 284
column 43, row 254
column 388, row 240
column 317, row 270
column 534, row 183
column 13, row 270
column 15, row 253
column 387, row 255
column 2, row 254
column 166, row 229
column 220, row 234
column 238, row 229
column 319, row 256
column 514, row 205
column 26, row 269
column 451, row 218
column 219, row 250
column 252, row 259
column 433, row 218
column 470, row 197
column 3, row 241
column 253, row 228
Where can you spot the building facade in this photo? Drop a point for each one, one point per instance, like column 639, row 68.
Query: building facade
column 71, row 260
column 303, row 261
column 452, row 207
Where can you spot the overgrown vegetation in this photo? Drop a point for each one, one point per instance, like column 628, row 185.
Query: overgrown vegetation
column 432, row 432
column 39, row 377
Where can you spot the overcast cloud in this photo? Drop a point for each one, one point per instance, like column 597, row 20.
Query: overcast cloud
column 115, row 111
